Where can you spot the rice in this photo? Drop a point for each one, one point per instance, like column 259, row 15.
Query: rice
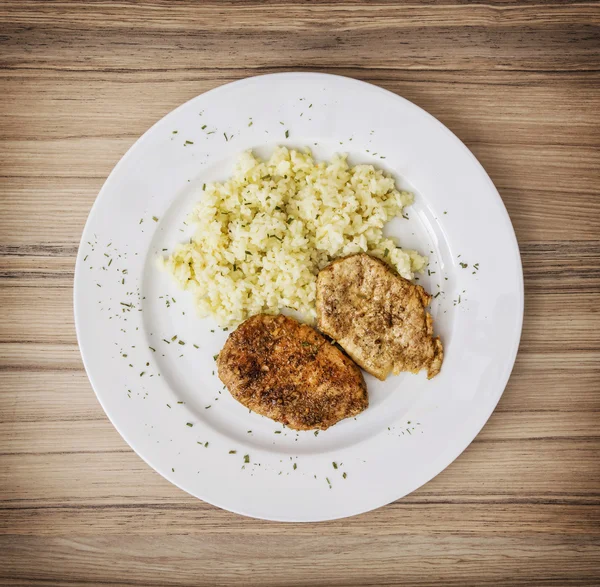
column 262, row 236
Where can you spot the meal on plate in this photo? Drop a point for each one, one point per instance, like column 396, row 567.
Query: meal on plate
column 290, row 373
column 289, row 233
column 377, row 317
column 263, row 235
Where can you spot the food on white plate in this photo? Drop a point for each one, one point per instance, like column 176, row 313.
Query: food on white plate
column 290, row 373
column 377, row 317
column 262, row 236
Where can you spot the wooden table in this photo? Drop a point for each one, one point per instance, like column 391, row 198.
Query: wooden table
column 518, row 82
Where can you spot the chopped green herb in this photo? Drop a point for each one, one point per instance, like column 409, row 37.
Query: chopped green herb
column 344, row 475
column 316, row 433
column 295, row 466
column 142, row 373
column 196, row 346
column 189, row 424
column 175, row 132
column 155, row 218
column 85, row 258
column 188, row 143
column 203, row 186
column 174, row 337
column 328, row 482
column 168, row 406
column 206, row 407
column 181, row 342
column 232, row 452
column 152, row 349
column 109, row 263
column 463, row 265
column 386, row 252
column 287, row 134
column 206, row 445
column 334, row 465
column 277, row 432
column 215, row 357
column 250, row 123
column 246, row 458
column 204, row 126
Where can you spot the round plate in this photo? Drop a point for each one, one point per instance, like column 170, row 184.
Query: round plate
column 164, row 397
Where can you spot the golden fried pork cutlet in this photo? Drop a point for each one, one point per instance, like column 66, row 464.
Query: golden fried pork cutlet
column 290, row 373
column 377, row 317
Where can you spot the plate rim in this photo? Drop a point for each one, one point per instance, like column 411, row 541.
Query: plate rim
column 508, row 226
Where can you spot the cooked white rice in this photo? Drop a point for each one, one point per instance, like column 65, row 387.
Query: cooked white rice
column 263, row 235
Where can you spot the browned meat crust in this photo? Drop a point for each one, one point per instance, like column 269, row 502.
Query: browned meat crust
column 377, row 317
column 288, row 372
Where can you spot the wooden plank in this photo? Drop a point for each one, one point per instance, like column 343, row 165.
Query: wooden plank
column 529, row 470
column 45, row 316
column 560, row 266
column 541, row 382
column 37, row 315
column 256, row 15
column 33, row 358
column 84, row 435
column 537, row 215
column 573, row 325
column 549, row 381
column 36, row 105
column 260, row 559
column 568, row 169
column 465, row 38
column 193, row 517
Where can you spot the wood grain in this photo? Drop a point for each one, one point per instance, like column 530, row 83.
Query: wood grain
column 517, row 80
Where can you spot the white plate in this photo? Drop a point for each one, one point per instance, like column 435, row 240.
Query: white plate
column 413, row 428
